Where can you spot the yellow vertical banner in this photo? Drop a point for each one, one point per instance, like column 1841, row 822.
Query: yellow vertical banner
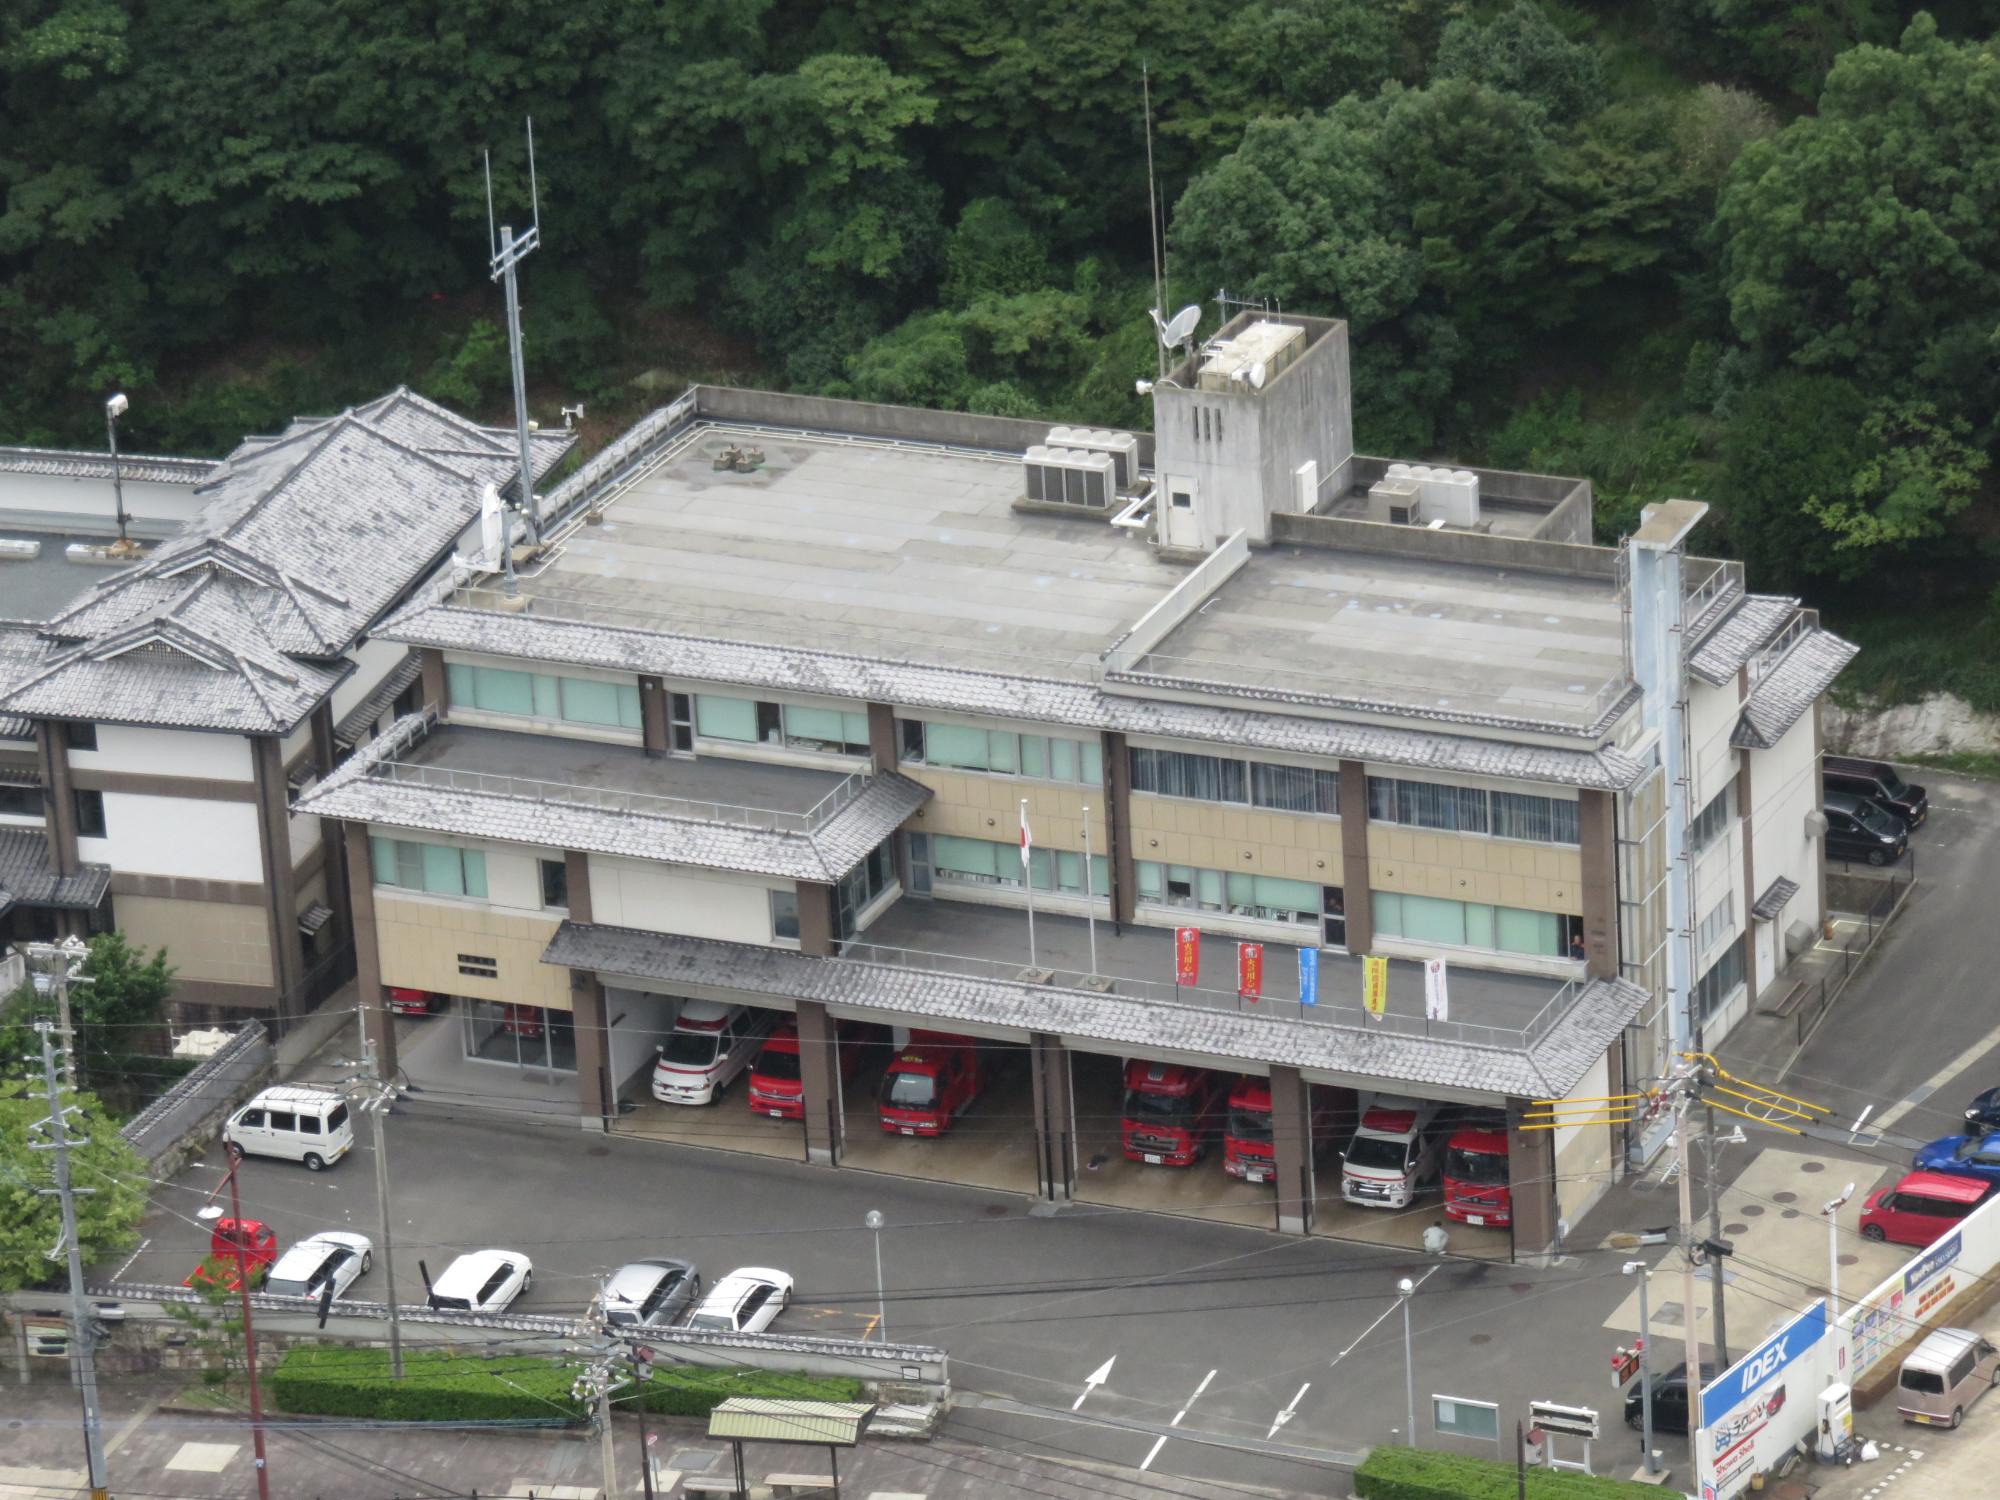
column 1375, row 985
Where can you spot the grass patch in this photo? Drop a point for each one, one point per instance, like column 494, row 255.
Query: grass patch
column 1419, row 1474
column 1984, row 763
column 1910, row 653
column 335, row 1381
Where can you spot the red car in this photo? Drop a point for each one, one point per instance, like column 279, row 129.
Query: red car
column 776, row 1088
column 260, row 1250
column 1922, row 1208
column 404, row 1002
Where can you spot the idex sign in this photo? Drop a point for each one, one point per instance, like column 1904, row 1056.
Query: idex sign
column 1748, row 1415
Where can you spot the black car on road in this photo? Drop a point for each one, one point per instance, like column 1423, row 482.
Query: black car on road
column 1670, row 1400
column 1856, row 829
column 1878, row 782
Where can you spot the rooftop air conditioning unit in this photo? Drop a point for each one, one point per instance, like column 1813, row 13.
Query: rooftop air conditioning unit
column 1396, row 501
column 1069, row 476
column 1122, row 447
column 1450, row 495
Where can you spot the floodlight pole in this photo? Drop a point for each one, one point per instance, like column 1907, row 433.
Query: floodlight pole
column 1644, row 1272
column 84, row 1349
column 114, row 408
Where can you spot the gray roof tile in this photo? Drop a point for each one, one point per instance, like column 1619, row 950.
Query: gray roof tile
column 1551, row 1067
column 1788, row 690
column 1741, row 636
column 359, row 719
column 71, row 464
column 28, row 877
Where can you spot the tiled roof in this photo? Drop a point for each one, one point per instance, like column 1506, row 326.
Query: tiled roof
column 1550, row 1068
column 67, row 463
column 1773, row 900
column 1788, row 690
column 359, row 719
column 22, row 649
column 428, row 622
column 28, row 878
column 823, row 853
column 1741, row 636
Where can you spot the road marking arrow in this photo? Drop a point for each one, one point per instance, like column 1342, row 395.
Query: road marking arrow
column 1286, row 1415
column 1094, row 1379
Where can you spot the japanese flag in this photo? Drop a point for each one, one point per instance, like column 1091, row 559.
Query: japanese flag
column 1027, row 842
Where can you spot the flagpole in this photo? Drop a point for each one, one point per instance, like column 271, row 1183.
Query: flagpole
column 1089, row 892
column 1028, row 884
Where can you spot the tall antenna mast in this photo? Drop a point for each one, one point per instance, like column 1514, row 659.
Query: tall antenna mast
column 508, row 253
column 1153, row 211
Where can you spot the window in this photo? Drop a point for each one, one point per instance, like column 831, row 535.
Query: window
column 555, row 882
column 984, row 862
column 1045, row 757
column 284, row 1119
column 81, row 736
column 725, row 718
column 1262, row 898
column 437, row 869
column 1722, row 980
column 863, row 884
column 90, row 815
column 1475, row 924
column 543, row 695
column 1712, row 819
column 680, row 722
column 1716, row 924
column 20, row 801
column 308, row 1125
column 785, row 915
column 1465, row 809
column 1176, row 773
column 832, row 730
column 1295, row 789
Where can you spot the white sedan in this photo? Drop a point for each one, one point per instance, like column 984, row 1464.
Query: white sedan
column 484, row 1281
column 332, row 1257
column 744, row 1301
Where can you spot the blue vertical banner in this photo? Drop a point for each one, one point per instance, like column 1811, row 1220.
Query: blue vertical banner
column 1308, row 976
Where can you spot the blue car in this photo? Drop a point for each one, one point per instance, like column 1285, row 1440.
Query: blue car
column 1963, row 1155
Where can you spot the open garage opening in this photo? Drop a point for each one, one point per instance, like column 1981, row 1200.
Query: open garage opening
column 947, row 1107
column 1406, row 1165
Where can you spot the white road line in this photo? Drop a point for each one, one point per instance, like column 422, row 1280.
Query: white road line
column 1186, row 1406
column 1094, row 1379
column 1286, row 1415
column 119, row 1274
column 1940, row 1078
column 1858, row 1124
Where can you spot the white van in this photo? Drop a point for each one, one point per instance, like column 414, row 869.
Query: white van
column 710, row 1044
column 308, row 1125
column 1394, row 1155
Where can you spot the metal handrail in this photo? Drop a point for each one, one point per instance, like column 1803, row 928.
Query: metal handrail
column 1345, row 1017
column 251, row 1036
column 647, row 804
column 1790, row 636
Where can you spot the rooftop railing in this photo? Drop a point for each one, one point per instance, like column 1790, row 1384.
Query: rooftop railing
column 1790, row 636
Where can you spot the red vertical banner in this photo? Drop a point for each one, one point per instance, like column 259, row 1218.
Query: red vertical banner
column 1187, row 955
column 1250, row 969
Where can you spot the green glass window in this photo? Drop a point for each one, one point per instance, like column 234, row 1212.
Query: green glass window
column 725, row 718
column 1035, row 755
column 585, row 702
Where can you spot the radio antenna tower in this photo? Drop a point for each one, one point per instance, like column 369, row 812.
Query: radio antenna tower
column 507, row 253
column 1153, row 209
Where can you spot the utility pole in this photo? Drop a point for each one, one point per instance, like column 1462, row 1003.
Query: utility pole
column 1715, row 1277
column 373, row 1095
column 208, row 1213
column 61, row 961
column 81, row 1329
column 508, row 253
column 1690, row 1339
column 1640, row 1269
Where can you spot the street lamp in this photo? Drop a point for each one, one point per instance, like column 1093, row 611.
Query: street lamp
column 875, row 1221
column 1407, row 1289
column 114, row 408
column 208, row 1213
column 1833, row 1251
column 1645, row 1274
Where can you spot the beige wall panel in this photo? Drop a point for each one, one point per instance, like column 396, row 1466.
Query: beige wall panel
column 989, row 807
column 225, row 942
column 420, row 942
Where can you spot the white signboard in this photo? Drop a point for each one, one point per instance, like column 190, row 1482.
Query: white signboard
column 1897, row 1311
column 1754, row 1412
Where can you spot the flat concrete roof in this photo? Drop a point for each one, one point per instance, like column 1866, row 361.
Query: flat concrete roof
column 1458, row 638
column 1517, row 518
column 861, row 546
column 621, row 768
column 37, row 589
column 996, row 937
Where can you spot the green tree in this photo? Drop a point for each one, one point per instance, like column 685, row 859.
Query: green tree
column 119, row 1015
column 31, row 1222
column 1782, row 44
column 1519, row 52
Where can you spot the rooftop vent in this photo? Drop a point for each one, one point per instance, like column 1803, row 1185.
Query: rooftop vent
column 1448, row 495
column 1070, row 476
column 1122, row 447
column 1252, row 359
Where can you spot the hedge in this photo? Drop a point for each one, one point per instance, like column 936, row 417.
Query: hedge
column 318, row 1380
column 1417, row 1474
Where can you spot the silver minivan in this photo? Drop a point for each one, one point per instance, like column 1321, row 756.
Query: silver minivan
column 1945, row 1374
column 302, row 1125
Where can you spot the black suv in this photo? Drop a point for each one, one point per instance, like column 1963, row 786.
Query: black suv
column 1878, row 782
column 1670, row 1400
column 1857, row 829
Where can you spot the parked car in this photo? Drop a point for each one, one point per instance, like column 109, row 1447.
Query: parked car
column 1878, row 782
column 1983, row 1113
column 776, row 1087
column 1947, row 1372
column 399, row 1001
column 1975, row 1155
column 745, row 1301
column 649, row 1293
column 1670, row 1400
column 1923, row 1207
column 221, row 1267
column 1857, row 829
column 482, row 1281
column 710, row 1044
column 1396, row 1152
column 302, row 1125
column 333, row 1257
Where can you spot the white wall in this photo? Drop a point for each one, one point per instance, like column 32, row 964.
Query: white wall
column 1583, row 1152
column 166, row 752
column 87, row 506
column 1785, row 785
column 373, row 660
column 513, row 875
column 656, row 898
column 638, row 1023
column 177, row 836
column 1712, row 716
column 305, row 836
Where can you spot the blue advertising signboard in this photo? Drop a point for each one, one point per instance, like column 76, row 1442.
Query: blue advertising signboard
column 1762, row 1365
column 1932, row 1261
column 1308, row 976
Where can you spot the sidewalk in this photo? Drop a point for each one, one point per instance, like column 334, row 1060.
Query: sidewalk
column 172, row 1453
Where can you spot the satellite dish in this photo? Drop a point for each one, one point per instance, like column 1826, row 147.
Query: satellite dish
column 1258, row 374
column 1180, row 327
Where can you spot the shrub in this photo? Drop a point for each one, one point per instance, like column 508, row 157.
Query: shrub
column 1414, row 1474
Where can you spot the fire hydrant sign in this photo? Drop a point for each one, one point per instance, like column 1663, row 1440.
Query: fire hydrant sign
column 1250, row 970
column 1750, row 1415
column 1187, row 955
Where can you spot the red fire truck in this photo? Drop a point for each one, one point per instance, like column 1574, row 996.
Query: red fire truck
column 1475, row 1175
column 1171, row 1113
column 1246, row 1143
column 929, row 1083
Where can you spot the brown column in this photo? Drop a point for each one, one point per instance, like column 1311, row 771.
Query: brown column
column 1598, row 831
column 1118, row 828
column 815, row 918
column 819, row 1085
column 1743, row 805
column 325, row 752
column 1292, row 1149
column 576, row 872
column 882, row 748
column 588, row 1023
column 1531, row 1164
column 1819, row 806
column 58, row 795
column 322, row 737
column 436, row 686
column 1354, row 884
column 653, row 714
column 368, row 994
column 1055, row 1118
column 281, row 903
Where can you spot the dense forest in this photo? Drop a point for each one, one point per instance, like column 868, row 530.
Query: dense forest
column 1746, row 250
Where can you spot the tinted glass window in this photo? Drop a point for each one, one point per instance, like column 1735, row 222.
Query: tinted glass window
column 753, row 1302
column 493, row 1284
column 1374, row 1152
column 1923, row 1382
column 283, row 1119
column 910, row 1091
column 776, row 1065
column 308, row 1125
column 1961, row 1367
column 253, row 1117
column 337, row 1119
